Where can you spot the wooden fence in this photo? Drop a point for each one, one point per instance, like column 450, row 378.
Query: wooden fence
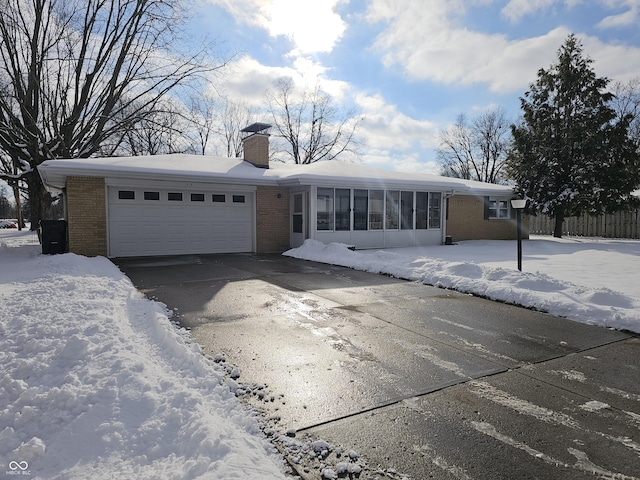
column 614, row 225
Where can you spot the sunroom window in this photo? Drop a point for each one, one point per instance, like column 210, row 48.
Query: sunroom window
column 343, row 209
column 428, row 210
column 360, row 209
column 435, row 209
column 406, row 210
column 392, row 211
column 376, row 209
column 325, row 208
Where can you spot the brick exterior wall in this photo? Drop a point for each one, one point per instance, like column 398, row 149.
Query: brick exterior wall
column 256, row 149
column 465, row 221
column 272, row 220
column 87, row 215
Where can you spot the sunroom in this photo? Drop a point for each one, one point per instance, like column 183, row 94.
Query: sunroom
column 373, row 218
column 375, row 208
column 340, row 204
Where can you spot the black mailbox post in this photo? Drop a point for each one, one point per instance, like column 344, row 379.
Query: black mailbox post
column 53, row 236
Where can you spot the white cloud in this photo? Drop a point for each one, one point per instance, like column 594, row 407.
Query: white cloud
column 516, row 9
column 429, row 45
column 411, row 162
column 313, row 26
column 384, row 127
column 428, row 41
column 248, row 80
column 627, row 18
column 617, row 62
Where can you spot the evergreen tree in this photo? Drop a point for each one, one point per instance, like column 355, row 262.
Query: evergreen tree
column 571, row 153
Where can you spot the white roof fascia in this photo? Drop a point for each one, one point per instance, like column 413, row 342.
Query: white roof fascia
column 232, row 171
column 372, row 183
column 55, row 172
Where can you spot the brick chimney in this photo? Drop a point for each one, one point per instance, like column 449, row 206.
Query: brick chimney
column 256, row 144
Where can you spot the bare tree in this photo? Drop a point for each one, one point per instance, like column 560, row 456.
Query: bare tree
column 69, row 69
column 312, row 127
column 476, row 150
column 626, row 101
column 162, row 131
column 215, row 124
column 235, row 116
column 7, row 210
column 203, row 114
column 456, row 149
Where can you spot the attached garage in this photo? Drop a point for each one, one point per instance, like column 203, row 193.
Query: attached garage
column 171, row 220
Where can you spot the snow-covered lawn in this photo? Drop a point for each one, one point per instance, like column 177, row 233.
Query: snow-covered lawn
column 95, row 381
column 590, row 280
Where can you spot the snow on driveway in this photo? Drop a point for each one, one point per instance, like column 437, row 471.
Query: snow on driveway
column 95, row 381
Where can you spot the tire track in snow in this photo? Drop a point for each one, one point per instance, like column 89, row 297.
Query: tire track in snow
column 483, row 352
column 583, row 464
column 489, row 392
column 438, row 461
column 524, row 407
column 425, row 352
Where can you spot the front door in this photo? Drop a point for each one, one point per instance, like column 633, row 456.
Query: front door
column 299, row 224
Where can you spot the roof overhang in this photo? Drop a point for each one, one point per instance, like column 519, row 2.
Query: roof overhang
column 235, row 171
column 177, row 168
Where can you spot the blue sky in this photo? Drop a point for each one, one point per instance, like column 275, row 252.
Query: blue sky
column 411, row 66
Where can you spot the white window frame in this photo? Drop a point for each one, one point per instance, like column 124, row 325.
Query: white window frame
column 499, row 208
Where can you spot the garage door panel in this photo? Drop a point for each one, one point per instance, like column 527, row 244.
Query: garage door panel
column 143, row 228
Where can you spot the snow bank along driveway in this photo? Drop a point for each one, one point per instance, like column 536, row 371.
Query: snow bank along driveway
column 590, row 280
column 96, row 383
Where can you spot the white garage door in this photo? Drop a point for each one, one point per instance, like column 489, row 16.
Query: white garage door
column 148, row 221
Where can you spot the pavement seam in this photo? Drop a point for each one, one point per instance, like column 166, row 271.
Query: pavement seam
column 519, row 370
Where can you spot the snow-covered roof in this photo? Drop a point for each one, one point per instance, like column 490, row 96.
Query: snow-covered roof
column 180, row 167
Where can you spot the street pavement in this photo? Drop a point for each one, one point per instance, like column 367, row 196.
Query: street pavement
column 419, row 381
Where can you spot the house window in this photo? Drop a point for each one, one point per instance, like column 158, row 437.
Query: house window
column 298, row 214
column 406, row 210
column 498, row 208
column 392, row 210
column 435, row 209
column 325, row 209
column 126, row 195
column 238, row 199
column 197, row 197
column 376, row 209
column 152, row 195
column 428, row 210
column 218, row 198
column 422, row 210
column 343, row 209
column 174, row 196
column 360, row 209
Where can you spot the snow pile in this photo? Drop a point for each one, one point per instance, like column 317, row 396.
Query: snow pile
column 318, row 458
column 595, row 282
column 95, row 381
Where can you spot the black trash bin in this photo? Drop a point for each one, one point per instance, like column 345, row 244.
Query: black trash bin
column 53, row 236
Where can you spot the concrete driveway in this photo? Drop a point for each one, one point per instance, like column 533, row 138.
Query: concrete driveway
column 418, row 380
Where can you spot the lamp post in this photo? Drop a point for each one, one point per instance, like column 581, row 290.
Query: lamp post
column 518, row 205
